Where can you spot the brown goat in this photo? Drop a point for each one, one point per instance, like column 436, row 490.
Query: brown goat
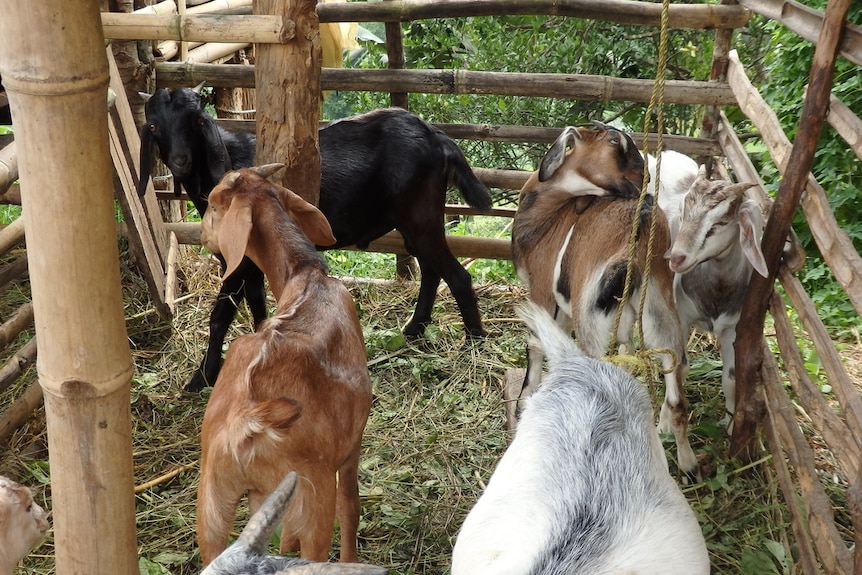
column 22, row 524
column 572, row 252
column 294, row 395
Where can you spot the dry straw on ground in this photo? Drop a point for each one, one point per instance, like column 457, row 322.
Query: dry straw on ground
column 435, row 433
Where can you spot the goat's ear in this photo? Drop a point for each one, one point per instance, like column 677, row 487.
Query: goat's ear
column 218, row 161
column 233, row 233
column 750, row 228
column 557, row 154
column 146, row 162
column 312, row 221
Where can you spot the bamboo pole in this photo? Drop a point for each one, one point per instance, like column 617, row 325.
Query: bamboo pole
column 16, row 364
column 287, row 79
column 750, row 407
column 567, row 86
column 13, row 270
column 197, row 27
column 619, row 11
column 57, row 91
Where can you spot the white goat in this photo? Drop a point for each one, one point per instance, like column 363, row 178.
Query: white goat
column 22, row 524
column 584, row 487
column 572, row 252
column 716, row 247
column 295, row 394
column 247, row 555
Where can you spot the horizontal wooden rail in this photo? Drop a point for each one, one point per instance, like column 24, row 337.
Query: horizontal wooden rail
column 198, row 28
column 620, row 11
column 391, row 243
column 533, row 135
column 568, row 86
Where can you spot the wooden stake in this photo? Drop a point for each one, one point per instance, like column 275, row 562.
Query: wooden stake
column 57, row 91
column 287, row 79
column 750, row 407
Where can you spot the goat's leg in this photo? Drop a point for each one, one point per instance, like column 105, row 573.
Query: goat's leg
column 428, row 284
column 319, row 515
column 255, row 292
column 436, row 262
column 728, row 372
column 216, row 510
column 246, row 281
column 348, row 507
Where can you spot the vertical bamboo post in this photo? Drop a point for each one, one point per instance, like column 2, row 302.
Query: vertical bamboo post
column 750, row 406
column 287, row 82
column 58, row 94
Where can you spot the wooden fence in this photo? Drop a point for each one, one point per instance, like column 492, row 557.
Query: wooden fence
column 763, row 399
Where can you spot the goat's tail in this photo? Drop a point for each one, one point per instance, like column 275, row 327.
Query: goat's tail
column 557, row 344
column 461, row 175
column 260, row 420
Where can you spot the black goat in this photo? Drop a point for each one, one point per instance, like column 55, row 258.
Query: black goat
column 383, row 170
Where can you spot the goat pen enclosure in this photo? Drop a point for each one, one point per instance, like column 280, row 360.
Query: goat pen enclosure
column 782, row 387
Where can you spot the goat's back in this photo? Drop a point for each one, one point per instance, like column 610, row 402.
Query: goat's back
column 377, row 166
column 584, row 486
column 309, row 356
column 598, row 231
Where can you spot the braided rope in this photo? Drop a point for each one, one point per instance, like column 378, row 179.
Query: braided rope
column 656, row 101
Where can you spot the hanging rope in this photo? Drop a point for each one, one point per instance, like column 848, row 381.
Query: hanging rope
column 640, row 361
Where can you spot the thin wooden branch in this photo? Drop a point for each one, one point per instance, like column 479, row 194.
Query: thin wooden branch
column 799, row 522
column 807, row 22
column 11, row 195
column 20, row 320
column 8, row 166
column 620, row 11
column 11, row 235
column 820, row 520
column 13, row 270
column 17, row 364
column 842, row 385
column 20, row 410
column 568, row 86
column 198, row 28
column 165, row 477
column 171, row 273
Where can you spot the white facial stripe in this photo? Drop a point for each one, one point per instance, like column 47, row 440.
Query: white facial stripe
column 577, row 185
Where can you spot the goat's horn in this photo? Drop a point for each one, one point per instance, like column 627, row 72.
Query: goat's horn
column 259, row 528
column 144, row 96
column 600, row 125
column 197, row 89
column 267, row 170
column 230, row 179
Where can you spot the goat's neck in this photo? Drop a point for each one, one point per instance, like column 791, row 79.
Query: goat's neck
column 284, row 256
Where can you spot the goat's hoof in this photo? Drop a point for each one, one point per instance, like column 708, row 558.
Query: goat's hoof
column 414, row 331
column 195, row 383
column 476, row 332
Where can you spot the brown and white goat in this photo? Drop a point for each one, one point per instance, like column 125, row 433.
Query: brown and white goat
column 294, row 395
column 572, row 253
column 22, row 524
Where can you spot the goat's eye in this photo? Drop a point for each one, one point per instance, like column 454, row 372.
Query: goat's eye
column 29, row 508
column 614, row 141
column 152, row 127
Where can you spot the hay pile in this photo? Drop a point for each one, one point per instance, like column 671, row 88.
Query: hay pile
column 435, row 433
